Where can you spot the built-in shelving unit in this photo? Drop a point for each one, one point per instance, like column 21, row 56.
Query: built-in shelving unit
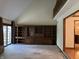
column 35, row 35
column 18, row 34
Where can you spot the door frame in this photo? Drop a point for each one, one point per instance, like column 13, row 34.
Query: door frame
column 64, row 28
column 74, row 29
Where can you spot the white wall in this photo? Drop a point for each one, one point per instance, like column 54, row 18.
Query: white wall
column 60, row 33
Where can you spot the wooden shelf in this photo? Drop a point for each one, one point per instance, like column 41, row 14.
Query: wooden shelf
column 36, row 34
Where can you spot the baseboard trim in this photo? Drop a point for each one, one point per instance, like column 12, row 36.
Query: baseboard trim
column 67, row 57
column 69, row 48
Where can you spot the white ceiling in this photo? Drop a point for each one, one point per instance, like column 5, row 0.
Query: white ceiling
column 40, row 12
column 11, row 9
column 29, row 12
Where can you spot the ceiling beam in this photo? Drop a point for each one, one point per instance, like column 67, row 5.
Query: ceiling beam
column 58, row 6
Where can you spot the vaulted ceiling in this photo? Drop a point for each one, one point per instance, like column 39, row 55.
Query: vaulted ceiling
column 40, row 12
column 37, row 12
column 11, row 9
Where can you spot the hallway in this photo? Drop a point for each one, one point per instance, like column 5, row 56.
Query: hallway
column 32, row 52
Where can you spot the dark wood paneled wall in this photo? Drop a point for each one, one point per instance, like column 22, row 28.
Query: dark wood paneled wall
column 13, row 31
column 37, row 34
column 1, row 36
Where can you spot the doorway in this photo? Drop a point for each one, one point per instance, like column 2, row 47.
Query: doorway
column 71, row 35
column 71, row 30
column 7, row 34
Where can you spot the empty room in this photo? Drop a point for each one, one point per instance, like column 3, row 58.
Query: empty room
column 39, row 29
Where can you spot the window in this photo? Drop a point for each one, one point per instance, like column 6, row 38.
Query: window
column 7, row 35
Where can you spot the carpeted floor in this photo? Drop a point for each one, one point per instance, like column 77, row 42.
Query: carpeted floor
column 19, row 51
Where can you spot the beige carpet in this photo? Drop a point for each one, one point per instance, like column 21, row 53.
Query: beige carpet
column 19, row 51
